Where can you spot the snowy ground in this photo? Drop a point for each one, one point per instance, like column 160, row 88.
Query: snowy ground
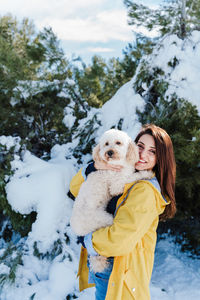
column 176, row 276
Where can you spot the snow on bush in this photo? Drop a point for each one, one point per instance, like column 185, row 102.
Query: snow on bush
column 10, row 141
column 180, row 61
column 42, row 187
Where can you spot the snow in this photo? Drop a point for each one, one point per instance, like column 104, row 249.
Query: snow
column 122, row 106
column 184, row 78
column 9, row 142
column 175, row 275
column 4, row 269
column 59, row 272
column 42, row 186
column 69, row 121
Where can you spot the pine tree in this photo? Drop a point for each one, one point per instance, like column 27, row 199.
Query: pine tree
column 35, row 89
column 100, row 80
column 181, row 120
column 33, row 72
column 154, row 81
column 173, row 16
column 13, row 220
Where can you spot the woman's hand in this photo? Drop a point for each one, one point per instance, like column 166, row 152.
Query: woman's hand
column 102, row 165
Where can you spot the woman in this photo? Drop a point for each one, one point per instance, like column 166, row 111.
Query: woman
column 130, row 242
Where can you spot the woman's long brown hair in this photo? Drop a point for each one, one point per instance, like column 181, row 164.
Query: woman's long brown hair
column 165, row 168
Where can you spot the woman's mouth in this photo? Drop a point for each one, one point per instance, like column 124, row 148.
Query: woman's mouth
column 141, row 161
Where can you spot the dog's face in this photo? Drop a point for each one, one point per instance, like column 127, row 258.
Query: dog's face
column 116, row 147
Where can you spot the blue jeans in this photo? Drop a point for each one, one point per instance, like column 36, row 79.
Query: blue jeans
column 101, row 281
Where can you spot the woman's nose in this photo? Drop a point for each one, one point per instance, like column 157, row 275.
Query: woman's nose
column 142, row 153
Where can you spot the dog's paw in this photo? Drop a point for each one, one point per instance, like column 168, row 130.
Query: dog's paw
column 98, row 263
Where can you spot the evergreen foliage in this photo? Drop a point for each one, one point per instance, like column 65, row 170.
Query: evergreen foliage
column 100, row 80
column 173, row 16
column 19, row 223
column 182, row 122
column 134, row 52
column 35, row 88
column 176, row 115
column 11, row 258
column 86, row 137
column 14, row 253
column 33, row 72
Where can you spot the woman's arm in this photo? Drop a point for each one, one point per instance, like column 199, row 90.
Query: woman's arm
column 76, row 182
column 80, row 177
column 131, row 223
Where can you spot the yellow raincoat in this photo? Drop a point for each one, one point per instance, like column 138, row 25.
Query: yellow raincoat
column 130, row 240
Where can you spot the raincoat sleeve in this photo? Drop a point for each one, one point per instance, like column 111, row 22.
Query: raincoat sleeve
column 76, row 182
column 132, row 221
column 80, row 177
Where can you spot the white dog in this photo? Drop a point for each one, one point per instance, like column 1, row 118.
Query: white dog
column 89, row 211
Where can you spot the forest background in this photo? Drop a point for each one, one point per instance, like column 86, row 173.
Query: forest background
column 46, row 100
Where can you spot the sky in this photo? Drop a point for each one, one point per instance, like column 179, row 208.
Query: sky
column 84, row 27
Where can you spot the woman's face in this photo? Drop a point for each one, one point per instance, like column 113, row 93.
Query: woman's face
column 147, row 153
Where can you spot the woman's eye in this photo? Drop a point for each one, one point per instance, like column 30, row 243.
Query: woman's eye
column 118, row 143
column 140, row 146
column 153, row 152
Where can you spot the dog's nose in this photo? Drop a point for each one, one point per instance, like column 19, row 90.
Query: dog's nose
column 110, row 153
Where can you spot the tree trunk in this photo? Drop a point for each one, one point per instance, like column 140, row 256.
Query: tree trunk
column 183, row 20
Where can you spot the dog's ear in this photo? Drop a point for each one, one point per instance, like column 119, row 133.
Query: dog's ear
column 132, row 155
column 95, row 153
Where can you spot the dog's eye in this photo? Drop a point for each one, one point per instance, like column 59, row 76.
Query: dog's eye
column 118, row 143
column 106, row 144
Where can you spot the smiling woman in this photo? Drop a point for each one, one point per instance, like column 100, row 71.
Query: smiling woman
column 147, row 153
column 156, row 152
column 129, row 243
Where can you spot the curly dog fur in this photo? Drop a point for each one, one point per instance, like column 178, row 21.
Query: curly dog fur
column 89, row 211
